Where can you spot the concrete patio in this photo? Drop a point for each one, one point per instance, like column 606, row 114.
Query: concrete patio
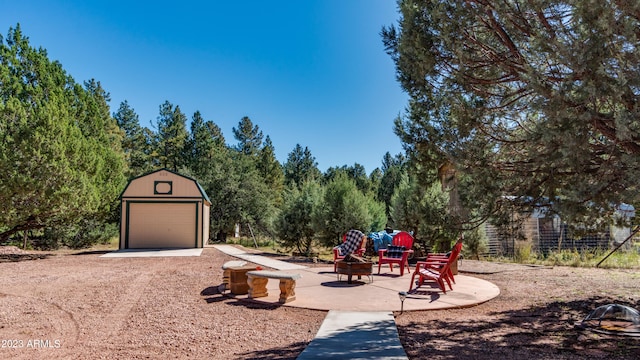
column 321, row 289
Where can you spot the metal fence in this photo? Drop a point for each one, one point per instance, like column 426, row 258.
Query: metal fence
column 548, row 234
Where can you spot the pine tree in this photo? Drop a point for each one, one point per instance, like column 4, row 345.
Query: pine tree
column 205, row 139
column 344, row 207
column 136, row 142
column 271, row 171
column 300, row 167
column 295, row 223
column 60, row 156
column 172, row 137
column 249, row 137
column 532, row 104
column 392, row 171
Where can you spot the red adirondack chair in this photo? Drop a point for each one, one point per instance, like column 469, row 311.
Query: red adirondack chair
column 443, row 258
column 404, row 239
column 437, row 270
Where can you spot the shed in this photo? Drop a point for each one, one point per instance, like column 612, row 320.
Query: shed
column 164, row 209
column 549, row 233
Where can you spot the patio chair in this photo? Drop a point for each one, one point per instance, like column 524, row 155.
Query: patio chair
column 352, row 236
column 437, row 270
column 397, row 253
column 442, row 258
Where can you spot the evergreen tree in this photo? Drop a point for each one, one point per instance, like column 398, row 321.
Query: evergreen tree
column 211, row 163
column 294, row 224
column 333, row 172
column 249, row 137
column 239, row 195
column 344, row 207
column 260, row 173
column 172, row 137
column 392, row 171
column 102, row 133
column 242, row 181
column 378, row 216
column 222, row 183
column 300, row 167
column 424, row 211
column 271, row 171
column 204, row 138
column 253, row 200
column 356, row 173
column 535, row 101
column 375, row 180
column 136, row 142
column 60, row 156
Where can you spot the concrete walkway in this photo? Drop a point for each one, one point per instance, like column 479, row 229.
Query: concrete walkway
column 356, row 335
column 258, row 259
column 359, row 323
column 153, row 253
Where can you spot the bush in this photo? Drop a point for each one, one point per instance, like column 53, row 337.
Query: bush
column 82, row 235
column 475, row 243
column 522, row 252
column 590, row 258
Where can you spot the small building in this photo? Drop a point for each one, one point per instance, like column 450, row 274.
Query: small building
column 163, row 209
column 544, row 234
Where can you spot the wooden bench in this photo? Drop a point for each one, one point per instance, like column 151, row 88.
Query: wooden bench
column 226, row 271
column 258, row 279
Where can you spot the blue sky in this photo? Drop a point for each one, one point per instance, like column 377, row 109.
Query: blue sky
column 308, row 72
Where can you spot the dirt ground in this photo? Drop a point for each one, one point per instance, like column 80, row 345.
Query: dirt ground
column 81, row 306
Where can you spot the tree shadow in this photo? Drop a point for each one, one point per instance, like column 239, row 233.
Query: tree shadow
column 429, row 291
column 212, row 290
column 250, row 304
column 215, row 294
column 93, row 252
column 539, row 332
column 21, row 257
column 289, row 352
column 391, row 275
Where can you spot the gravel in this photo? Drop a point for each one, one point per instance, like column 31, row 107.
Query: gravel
column 79, row 306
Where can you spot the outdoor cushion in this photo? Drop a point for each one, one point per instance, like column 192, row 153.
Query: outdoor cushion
column 395, row 251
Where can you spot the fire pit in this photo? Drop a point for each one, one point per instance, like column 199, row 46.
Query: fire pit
column 351, row 268
column 613, row 319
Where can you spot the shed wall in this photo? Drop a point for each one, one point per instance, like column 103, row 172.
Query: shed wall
column 145, row 186
column 164, row 210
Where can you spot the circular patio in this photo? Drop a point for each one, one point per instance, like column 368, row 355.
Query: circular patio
column 321, row 289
